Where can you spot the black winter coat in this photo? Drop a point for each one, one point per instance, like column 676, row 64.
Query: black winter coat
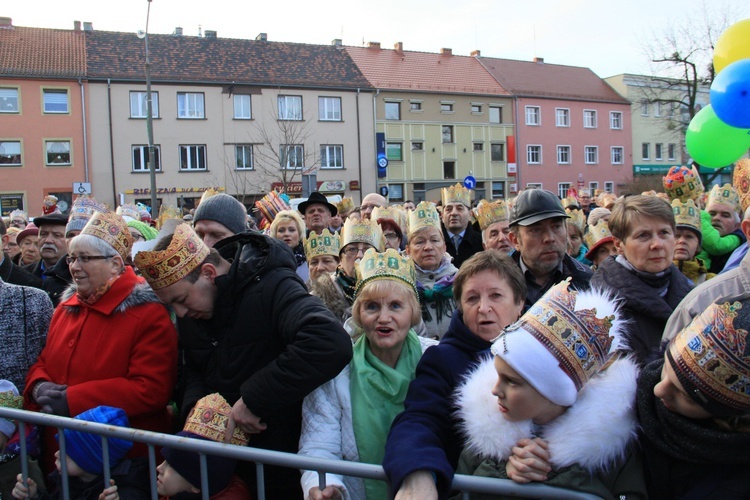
column 16, row 275
column 470, row 244
column 57, row 280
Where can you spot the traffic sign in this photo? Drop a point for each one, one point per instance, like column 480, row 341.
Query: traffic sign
column 382, row 162
column 81, row 188
column 470, row 182
column 384, row 191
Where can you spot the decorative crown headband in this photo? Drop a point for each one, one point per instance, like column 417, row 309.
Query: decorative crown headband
column 424, row 215
column 129, row 210
column 111, row 228
column 687, row 214
column 456, row 194
column 386, row 265
column 724, row 194
column 396, row 214
column 185, row 252
column 209, row 418
column 741, row 182
column 577, row 217
column 345, row 206
column 597, row 233
column 362, row 231
column 490, row 212
column 683, row 183
column 323, row 244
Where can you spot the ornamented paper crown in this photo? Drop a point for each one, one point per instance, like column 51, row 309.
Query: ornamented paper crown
column 323, row 244
column 185, row 252
column 345, row 206
column 577, row 217
column 20, row 214
column 129, row 210
column 396, row 214
column 683, row 183
column 711, row 358
column 424, row 215
column 271, row 204
column 10, row 400
column 741, row 182
column 85, row 206
column 597, row 234
column 209, row 418
column 570, row 201
column 489, row 212
column 724, row 194
column 687, row 214
column 579, row 340
column 362, row 231
column 167, row 212
column 386, row 265
column 207, row 194
column 456, row 194
column 111, row 228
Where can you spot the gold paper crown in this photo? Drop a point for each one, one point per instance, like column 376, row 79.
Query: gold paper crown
column 387, row 265
column 605, row 199
column 185, row 252
column 209, row 418
column 741, row 182
column 396, row 214
column 570, row 201
column 713, row 354
column 10, row 400
column 597, row 234
column 577, row 217
column 724, row 194
column 424, row 215
column 84, row 207
column 490, row 212
column 323, row 244
column 19, row 213
column 167, row 212
column 456, row 194
column 111, row 228
column 362, row 231
column 683, row 183
column 345, row 206
column 687, row 214
column 129, row 210
column 207, row 194
column 577, row 338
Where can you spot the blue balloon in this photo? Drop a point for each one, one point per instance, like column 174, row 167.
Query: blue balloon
column 730, row 94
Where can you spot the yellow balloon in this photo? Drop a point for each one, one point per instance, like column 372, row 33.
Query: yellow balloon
column 733, row 45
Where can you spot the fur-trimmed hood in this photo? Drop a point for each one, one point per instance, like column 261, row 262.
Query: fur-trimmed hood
column 592, row 433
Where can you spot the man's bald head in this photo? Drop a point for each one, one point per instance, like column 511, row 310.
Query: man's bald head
column 371, row 201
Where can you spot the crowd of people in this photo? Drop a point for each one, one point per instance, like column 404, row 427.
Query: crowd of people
column 597, row 343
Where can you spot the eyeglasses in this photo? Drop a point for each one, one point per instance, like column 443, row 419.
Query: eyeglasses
column 86, row 258
column 351, row 251
column 391, row 236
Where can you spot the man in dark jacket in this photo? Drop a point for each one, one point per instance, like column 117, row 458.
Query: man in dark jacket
column 11, row 273
column 540, row 235
column 461, row 240
column 257, row 336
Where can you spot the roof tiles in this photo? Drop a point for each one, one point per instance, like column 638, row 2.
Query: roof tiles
column 42, row 52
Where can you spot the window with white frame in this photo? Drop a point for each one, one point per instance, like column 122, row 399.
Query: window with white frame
column 562, row 189
column 9, row 100
column 534, row 185
column 563, row 155
column 497, row 151
column 139, row 104
column 593, row 186
column 657, row 109
column 417, row 145
column 496, row 114
column 617, row 155
column 671, row 148
column 591, row 154
column 140, row 158
column 609, row 187
column 644, row 107
column 446, row 107
column 243, row 107
column 476, row 109
column 10, row 154
column 392, row 110
column 646, row 151
column 329, row 109
column 190, row 106
column 393, row 151
column 243, row 157
column 589, row 118
column 415, row 106
column 615, row 120
column 533, row 115
column 658, row 151
column 478, row 147
column 448, row 134
column 292, row 156
column 562, row 117
column 290, row 107
column 58, row 153
column 332, row 156
column 192, row 157
column 395, row 192
column 55, row 101
column 498, row 190
column 534, row 154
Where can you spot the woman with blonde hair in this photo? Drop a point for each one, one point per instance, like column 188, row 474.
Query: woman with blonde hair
column 289, row 227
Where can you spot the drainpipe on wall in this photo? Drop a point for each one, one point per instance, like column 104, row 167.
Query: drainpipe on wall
column 111, row 143
column 85, row 135
column 359, row 148
column 375, row 129
column 517, row 129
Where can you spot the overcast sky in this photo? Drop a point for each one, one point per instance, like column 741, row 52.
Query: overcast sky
column 604, row 35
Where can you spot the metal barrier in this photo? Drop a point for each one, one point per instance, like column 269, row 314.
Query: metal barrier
column 466, row 484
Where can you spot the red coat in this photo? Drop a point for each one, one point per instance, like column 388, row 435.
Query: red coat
column 120, row 352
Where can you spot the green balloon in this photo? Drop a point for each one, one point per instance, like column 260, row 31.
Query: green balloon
column 712, row 143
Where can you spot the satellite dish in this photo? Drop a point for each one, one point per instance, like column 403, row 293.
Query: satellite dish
column 141, row 34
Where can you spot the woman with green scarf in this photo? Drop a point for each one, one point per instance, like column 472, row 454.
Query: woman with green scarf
column 349, row 417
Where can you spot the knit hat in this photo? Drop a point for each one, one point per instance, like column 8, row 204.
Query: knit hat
column 225, row 210
column 148, row 232
column 112, row 229
column 711, row 357
column 207, row 421
column 185, row 252
column 562, row 341
column 85, row 449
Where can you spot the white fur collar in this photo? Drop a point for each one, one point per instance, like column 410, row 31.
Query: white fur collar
column 593, row 433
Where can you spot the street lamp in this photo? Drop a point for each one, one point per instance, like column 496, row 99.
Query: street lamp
column 149, row 120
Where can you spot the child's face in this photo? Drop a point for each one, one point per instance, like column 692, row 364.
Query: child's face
column 74, row 470
column 169, row 482
column 674, row 397
column 518, row 400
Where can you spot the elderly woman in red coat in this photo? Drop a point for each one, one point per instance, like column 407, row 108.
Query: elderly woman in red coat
column 111, row 342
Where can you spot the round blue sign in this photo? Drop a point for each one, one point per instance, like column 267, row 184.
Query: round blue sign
column 382, row 162
column 470, row 182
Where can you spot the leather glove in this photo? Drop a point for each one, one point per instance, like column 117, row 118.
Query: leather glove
column 53, row 398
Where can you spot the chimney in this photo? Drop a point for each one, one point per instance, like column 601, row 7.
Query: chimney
column 476, row 53
column 539, row 60
column 88, row 26
column 177, row 31
column 262, row 37
column 6, row 22
column 211, row 34
column 336, row 42
column 76, row 25
column 446, row 52
column 373, row 45
column 398, row 47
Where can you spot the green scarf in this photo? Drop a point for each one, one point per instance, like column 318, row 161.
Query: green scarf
column 378, row 393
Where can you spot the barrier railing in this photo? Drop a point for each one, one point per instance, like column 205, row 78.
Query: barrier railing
column 466, row 484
